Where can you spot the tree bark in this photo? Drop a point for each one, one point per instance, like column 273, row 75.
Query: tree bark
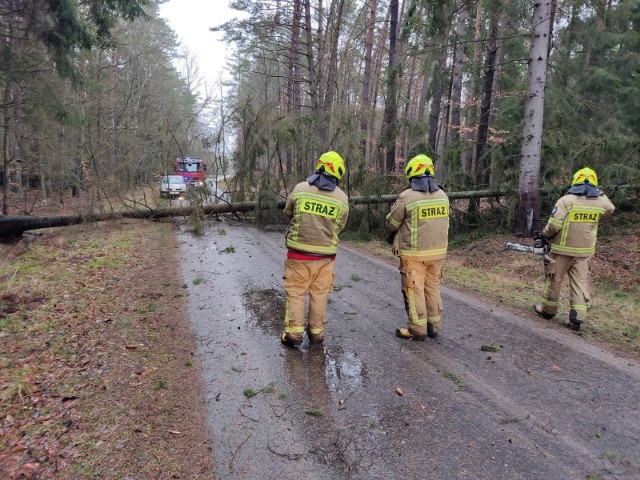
column 293, row 89
column 333, row 55
column 528, row 209
column 11, row 226
column 436, row 101
column 365, row 111
column 458, row 62
column 391, row 104
column 481, row 175
column 468, row 163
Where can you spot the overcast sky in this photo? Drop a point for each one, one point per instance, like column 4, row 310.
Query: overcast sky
column 191, row 20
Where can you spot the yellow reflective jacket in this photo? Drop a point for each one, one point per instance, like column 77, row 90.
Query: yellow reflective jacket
column 421, row 220
column 573, row 225
column 317, row 216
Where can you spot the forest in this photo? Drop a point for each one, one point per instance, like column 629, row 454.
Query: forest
column 99, row 98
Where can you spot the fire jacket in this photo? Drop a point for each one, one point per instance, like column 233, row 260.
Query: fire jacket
column 421, row 220
column 573, row 225
column 317, row 216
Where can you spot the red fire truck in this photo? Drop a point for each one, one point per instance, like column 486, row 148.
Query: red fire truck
column 192, row 169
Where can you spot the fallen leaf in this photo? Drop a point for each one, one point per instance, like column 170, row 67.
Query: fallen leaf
column 130, row 347
column 399, row 391
column 555, row 368
column 175, row 432
column 423, row 406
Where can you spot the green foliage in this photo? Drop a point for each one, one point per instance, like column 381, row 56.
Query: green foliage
column 314, row 412
column 72, row 28
column 267, row 211
column 249, row 392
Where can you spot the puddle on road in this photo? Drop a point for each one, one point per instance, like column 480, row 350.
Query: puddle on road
column 267, row 309
column 315, row 370
column 344, row 370
column 325, row 366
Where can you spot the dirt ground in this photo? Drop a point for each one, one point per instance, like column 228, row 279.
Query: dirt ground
column 97, row 370
column 98, row 375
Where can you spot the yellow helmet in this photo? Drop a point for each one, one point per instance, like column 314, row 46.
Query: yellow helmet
column 419, row 165
column 585, row 175
column 332, row 163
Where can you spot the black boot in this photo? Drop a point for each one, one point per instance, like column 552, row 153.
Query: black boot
column 408, row 335
column 288, row 341
column 538, row 309
column 573, row 320
column 431, row 333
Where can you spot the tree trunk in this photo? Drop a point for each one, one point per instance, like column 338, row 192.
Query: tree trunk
column 529, row 182
column 468, row 163
column 333, row 57
column 424, row 92
column 436, row 101
column 15, row 225
column 365, row 111
column 481, row 174
column 391, row 104
column 293, row 83
column 321, row 53
column 458, row 62
column 313, row 81
column 5, row 152
column 377, row 74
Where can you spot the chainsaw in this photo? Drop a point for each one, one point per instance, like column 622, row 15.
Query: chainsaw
column 540, row 245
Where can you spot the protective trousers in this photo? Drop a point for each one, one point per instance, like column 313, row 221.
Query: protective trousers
column 300, row 277
column 421, row 281
column 577, row 269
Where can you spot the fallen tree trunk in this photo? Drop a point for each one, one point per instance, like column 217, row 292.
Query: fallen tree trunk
column 11, row 226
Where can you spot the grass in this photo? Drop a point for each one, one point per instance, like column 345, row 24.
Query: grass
column 282, row 394
column 507, row 420
column 271, row 388
column 159, row 385
column 249, row 392
column 66, row 305
column 456, row 377
column 480, row 266
column 490, row 348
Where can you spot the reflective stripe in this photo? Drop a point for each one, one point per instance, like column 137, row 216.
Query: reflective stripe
column 418, row 322
column 435, row 319
column 394, row 222
column 563, row 234
column 424, row 253
column 563, row 249
column 294, row 330
column 287, row 328
column 580, row 307
column 316, row 331
column 305, row 247
column 413, row 313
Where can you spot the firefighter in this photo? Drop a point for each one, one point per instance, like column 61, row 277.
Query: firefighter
column 419, row 226
column 571, row 232
column 318, row 210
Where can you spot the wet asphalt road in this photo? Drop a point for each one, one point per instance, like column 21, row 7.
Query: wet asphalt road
column 547, row 406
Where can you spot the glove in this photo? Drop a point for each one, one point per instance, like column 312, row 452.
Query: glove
column 391, row 237
column 539, row 243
